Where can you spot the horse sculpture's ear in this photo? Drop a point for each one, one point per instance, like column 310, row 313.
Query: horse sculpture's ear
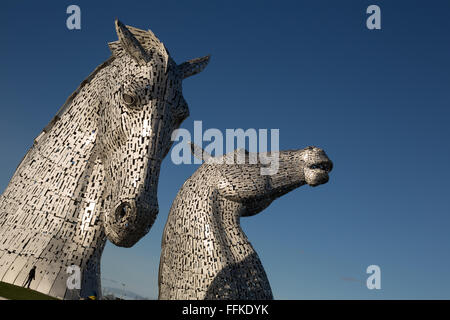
column 130, row 44
column 199, row 153
column 194, row 66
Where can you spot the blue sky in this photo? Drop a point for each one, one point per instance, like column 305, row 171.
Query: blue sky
column 376, row 101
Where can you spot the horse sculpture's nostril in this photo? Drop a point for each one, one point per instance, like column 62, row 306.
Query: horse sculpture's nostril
column 122, row 210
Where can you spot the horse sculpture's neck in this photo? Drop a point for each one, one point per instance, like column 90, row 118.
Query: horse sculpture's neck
column 204, row 245
column 49, row 217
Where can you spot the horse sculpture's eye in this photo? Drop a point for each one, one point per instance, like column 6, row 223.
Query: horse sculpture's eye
column 129, row 100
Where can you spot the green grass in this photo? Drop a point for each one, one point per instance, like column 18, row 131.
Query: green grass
column 12, row 292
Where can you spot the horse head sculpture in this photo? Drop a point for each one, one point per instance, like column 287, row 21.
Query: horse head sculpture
column 205, row 254
column 92, row 173
column 141, row 105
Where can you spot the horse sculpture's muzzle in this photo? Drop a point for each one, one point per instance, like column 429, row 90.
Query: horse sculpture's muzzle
column 317, row 165
column 129, row 221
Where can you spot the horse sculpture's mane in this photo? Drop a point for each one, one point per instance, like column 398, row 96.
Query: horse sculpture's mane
column 147, row 39
column 69, row 100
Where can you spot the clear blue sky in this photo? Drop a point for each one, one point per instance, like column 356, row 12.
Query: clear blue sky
column 377, row 102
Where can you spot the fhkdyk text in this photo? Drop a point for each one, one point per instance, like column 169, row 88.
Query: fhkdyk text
column 231, row 309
